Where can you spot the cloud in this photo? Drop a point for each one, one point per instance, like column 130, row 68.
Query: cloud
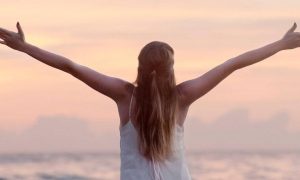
column 58, row 133
column 235, row 131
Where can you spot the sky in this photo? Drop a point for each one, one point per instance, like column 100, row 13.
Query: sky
column 44, row 109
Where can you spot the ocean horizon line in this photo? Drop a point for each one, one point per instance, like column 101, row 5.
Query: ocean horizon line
column 188, row 152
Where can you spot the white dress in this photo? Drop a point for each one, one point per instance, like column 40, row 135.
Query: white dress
column 136, row 167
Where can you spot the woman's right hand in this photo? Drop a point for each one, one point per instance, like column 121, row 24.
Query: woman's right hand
column 291, row 39
column 12, row 39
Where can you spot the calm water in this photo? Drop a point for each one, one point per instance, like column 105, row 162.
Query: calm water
column 105, row 166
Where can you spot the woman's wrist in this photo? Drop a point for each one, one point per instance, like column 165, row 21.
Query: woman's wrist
column 282, row 44
column 24, row 47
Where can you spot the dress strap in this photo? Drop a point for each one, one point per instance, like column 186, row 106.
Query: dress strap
column 131, row 103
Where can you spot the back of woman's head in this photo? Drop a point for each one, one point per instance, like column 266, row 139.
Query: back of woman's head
column 156, row 100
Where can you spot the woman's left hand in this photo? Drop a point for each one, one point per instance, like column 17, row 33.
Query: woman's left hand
column 12, row 39
column 291, row 39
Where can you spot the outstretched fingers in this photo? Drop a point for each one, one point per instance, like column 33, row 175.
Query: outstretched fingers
column 4, row 34
column 4, row 31
column 292, row 29
column 2, row 37
column 20, row 31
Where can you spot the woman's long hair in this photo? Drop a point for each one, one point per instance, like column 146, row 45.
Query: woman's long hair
column 156, row 100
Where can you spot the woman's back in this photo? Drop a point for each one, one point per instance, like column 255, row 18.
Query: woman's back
column 135, row 166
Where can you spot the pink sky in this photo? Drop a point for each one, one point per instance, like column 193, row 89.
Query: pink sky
column 108, row 35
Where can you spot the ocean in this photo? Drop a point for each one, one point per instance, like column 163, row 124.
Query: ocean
column 105, row 166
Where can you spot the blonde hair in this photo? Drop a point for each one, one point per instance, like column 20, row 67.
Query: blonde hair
column 156, row 100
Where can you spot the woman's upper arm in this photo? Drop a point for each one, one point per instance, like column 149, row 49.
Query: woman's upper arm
column 112, row 87
column 193, row 89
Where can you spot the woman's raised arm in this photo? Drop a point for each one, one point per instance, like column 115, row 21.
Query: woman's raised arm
column 193, row 89
column 112, row 87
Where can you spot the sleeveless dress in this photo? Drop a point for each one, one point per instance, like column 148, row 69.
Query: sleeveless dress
column 135, row 166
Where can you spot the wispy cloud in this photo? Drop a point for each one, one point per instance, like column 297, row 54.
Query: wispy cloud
column 57, row 133
column 234, row 130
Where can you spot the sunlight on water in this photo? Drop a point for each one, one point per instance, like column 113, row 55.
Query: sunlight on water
column 105, row 166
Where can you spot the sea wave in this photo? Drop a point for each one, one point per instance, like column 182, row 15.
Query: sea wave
column 105, row 166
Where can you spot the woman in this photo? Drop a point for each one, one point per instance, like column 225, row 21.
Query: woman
column 152, row 110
